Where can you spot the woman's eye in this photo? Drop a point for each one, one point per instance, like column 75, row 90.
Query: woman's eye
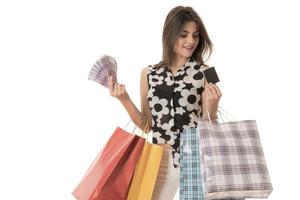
column 184, row 35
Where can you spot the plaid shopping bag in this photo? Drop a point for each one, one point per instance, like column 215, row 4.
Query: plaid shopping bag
column 190, row 174
column 232, row 160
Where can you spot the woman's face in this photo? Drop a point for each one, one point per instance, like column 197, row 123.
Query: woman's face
column 187, row 41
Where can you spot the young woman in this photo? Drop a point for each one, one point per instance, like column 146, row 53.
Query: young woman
column 174, row 94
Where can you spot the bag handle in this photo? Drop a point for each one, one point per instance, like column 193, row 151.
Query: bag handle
column 222, row 113
column 125, row 127
column 143, row 131
column 139, row 130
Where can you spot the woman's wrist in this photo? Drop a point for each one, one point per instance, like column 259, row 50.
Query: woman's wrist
column 212, row 117
column 124, row 99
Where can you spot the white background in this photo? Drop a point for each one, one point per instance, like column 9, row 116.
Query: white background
column 53, row 121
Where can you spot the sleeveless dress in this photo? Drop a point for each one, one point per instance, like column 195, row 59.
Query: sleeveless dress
column 175, row 102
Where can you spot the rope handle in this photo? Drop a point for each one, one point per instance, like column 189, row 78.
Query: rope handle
column 143, row 132
column 222, row 113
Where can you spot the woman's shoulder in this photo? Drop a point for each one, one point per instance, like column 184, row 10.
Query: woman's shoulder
column 151, row 68
column 147, row 69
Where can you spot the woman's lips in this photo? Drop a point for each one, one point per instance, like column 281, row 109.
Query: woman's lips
column 188, row 48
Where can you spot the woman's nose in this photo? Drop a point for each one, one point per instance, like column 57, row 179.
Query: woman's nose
column 190, row 39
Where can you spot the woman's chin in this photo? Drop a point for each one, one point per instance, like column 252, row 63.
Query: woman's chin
column 186, row 55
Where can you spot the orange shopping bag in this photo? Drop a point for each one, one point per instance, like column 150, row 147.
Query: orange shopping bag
column 146, row 172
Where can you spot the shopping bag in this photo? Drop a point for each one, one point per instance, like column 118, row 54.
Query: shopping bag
column 109, row 176
column 190, row 173
column 146, row 172
column 232, row 160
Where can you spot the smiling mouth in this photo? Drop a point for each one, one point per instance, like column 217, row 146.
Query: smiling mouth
column 188, row 48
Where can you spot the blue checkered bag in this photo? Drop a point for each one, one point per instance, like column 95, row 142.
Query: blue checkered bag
column 190, row 173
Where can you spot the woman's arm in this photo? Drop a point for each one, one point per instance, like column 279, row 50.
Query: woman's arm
column 144, row 88
column 140, row 118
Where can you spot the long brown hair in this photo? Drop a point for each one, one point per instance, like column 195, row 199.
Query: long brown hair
column 174, row 23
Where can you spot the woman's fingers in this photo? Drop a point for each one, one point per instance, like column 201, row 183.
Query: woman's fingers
column 210, row 91
column 213, row 91
column 111, row 86
column 217, row 91
column 117, row 90
column 122, row 89
column 205, row 82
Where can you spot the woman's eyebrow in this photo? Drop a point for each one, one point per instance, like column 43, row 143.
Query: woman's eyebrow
column 185, row 31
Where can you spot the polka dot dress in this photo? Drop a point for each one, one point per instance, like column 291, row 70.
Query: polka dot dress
column 175, row 102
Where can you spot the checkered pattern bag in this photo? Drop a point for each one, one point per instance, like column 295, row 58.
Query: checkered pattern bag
column 190, row 174
column 232, row 160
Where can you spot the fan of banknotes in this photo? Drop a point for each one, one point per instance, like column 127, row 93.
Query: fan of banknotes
column 104, row 67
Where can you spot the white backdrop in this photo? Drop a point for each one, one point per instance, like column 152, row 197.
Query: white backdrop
column 53, row 121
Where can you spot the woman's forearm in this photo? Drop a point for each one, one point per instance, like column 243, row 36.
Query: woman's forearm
column 136, row 116
column 118, row 91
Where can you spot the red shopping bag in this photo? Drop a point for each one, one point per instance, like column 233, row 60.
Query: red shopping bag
column 109, row 176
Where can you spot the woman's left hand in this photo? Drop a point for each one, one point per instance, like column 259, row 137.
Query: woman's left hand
column 210, row 99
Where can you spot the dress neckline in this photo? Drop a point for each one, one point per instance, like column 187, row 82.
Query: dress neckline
column 179, row 68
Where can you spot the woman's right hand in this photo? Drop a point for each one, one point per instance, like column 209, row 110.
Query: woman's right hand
column 117, row 90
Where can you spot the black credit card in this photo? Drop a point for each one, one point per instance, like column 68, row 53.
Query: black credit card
column 211, row 75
